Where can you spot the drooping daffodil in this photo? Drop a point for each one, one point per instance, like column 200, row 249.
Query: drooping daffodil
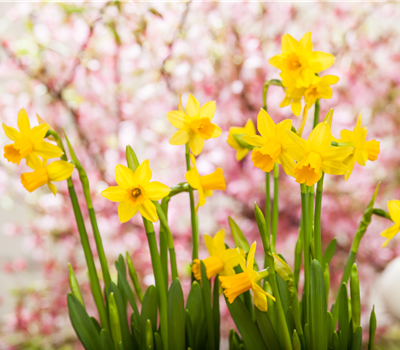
column 43, row 174
column 271, row 146
column 362, row 150
column 316, row 155
column 28, row 143
column 221, row 260
column 135, row 192
column 205, row 184
column 194, row 124
column 242, row 282
column 249, row 130
column 298, row 62
column 394, row 211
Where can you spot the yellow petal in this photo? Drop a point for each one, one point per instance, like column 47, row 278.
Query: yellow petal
column 249, row 128
column 281, row 130
column 148, row 210
column 349, row 162
column 23, row 123
column 193, row 106
column 177, row 118
column 231, row 257
column 302, row 145
column 394, row 210
column 124, row 176
column 320, row 138
column 11, row 132
column 156, row 190
column 209, row 244
column 213, row 181
column 52, row 188
column 193, row 178
column 254, row 140
column 320, row 61
column 295, row 106
column 202, row 198
column 287, row 162
column 208, row 110
column 250, row 257
column 337, row 153
column 361, row 156
column 305, row 41
column 126, row 211
column 330, row 79
column 286, row 101
column 217, row 132
column 142, row 174
column 306, row 77
column 390, row 233
column 289, row 44
column 240, row 154
column 60, row 170
column 196, row 144
column 334, row 167
column 260, row 299
column 265, row 124
column 276, row 61
column 373, row 149
column 258, row 289
column 38, row 133
column 180, row 137
column 114, row 193
column 47, row 150
column 33, row 161
column 218, row 243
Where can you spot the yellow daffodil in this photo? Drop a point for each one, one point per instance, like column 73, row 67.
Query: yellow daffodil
column 316, row 155
column 205, row 184
column 194, row 124
column 135, row 192
column 28, row 143
column 362, row 150
column 298, row 62
column 244, row 281
column 43, row 174
column 271, row 146
column 394, row 211
column 248, row 129
column 320, row 88
column 221, row 260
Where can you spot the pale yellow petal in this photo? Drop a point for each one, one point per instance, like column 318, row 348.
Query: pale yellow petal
column 202, row 197
column 177, row 118
column 11, row 132
column 249, row 128
column 193, row 178
column 114, row 193
column 289, row 44
column 301, row 144
column 208, row 110
column 394, row 210
column 193, row 106
column 265, row 124
column 349, row 162
column 217, row 132
column 38, row 133
column 142, row 174
column 333, row 167
column 124, row 176
column 320, row 61
column 23, row 123
column 361, row 156
column 148, row 210
column 287, row 162
column 254, row 140
column 33, row 161
column 52, row 188
column 320, row 138
column 196, row 144
column 231, row 257
column 47, row 150
column 126, row 211
column 240, row 154
column 306, row 42
column 156, row 190
column 59, row 170
column 390, row 233
column 295, row 106
column 337, row 153
column 180, row 137
column 276, row 61
column 219, row 243
column 281, row 130
column 209, row 244
column 330, row 79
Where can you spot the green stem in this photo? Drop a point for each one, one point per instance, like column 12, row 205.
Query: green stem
column 316, row 114
column 382, row 213
column 306, row 247
column 267, row 214
column 267, row 84
column 262, row 274
column 317, row 221
column 95, row 284
column 195, row 227
column 86, row 191
column 275, row 209
column 310, row 202
column 179, row 188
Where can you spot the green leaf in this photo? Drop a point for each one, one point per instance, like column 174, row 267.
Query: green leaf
column 189, row 330
column 329, row 252
column 149, row 336
column 134, row 277
column 206, row 292
column 296, row 341
column 343, row 316
column 372, row 328
column 329, row 328
column 234, row 340
column 335, row 342
column 247, row 328
column 238, row 236
column 83, row 325
column 298, row 255
column 158, row 341
column 195, row 307
column 114, row 321
column 267, row 330
column 149, row 312
column 176, row 317
column 96, row 324
column 262, row 227
column 241, row 142
column 355, row 298
column 73, row 283
column 106, row 340
column 317, row 307
column 216, row 314
column 357, row 340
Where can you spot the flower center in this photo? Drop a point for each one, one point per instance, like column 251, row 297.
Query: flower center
column 136, row 195
column 294, row 62
column 136, row 192
column 313, row 92
column 308, row 170
column 203, row 127
column 265, row 157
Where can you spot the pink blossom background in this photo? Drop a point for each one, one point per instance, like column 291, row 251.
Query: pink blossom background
column 108, row 73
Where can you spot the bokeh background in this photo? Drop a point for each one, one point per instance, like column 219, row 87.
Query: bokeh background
column 107, row 73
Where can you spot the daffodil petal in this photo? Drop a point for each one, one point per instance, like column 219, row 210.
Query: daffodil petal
column 208, row 110
column 124, row 176
column 156, row 190
column 60, row 170
column 177, row 118
column 361, row 156
column 148, row 210
column 196, row 144
column 337, row 153
column 193, row 178
column 142, row 174
column 231, row 257
column 394, row 210
column 47, row 150
column 217, row 132
column 250, row 128
column 241, row 154
column 52, row 188
column 250, row 256
column 276, row 61
column 295, row 106
column 349, row 162
column 320, row 138
column 287, row 162
column 265, row 125
column 254, row 140
column 126, row 211
column 193, row 106
column 334, row 167
column 23, row 123
column 289, row 44
column 38, row 133
column 202, row 197
column 209, row 244
column 390, row 233
column 180, row 137
column 260, row 300
column 320, row 61
column 33, row 161
column 11, row 132
column 114, row 193
column 281, row 130
column 302, row 144
column 306, row 42
column 218, row 243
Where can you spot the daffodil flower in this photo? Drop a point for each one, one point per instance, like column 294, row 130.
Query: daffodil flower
column 244, row 281
column 271, row 146
column 28, row 143
column 44, row 174
column 205, row 184
column 221, row 260
column 320, row 88
column 298, row 62
column 394, row 211
column 194, row 124
column 362, row 150
column 135, row 192
column 316, row 155
column 248, row 129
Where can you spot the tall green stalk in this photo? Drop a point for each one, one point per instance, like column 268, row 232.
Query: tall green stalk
column 317, row 221
column 267, row 214
column 316, row 114
column 275, row 209
column 193, row 215
column 94, row 279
